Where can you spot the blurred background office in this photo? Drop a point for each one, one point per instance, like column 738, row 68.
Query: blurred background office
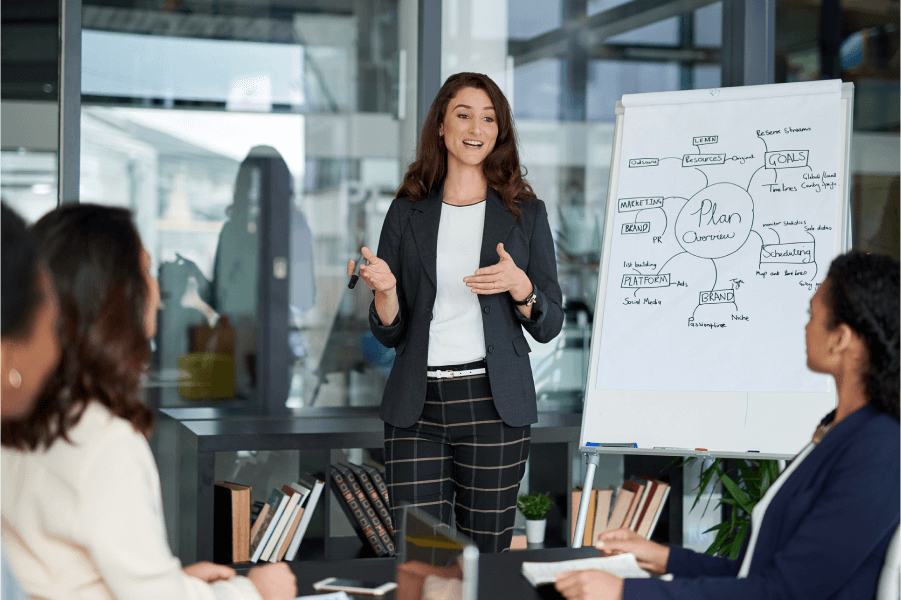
column 260, row 142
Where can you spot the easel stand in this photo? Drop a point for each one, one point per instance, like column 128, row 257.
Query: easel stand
column 592, row 460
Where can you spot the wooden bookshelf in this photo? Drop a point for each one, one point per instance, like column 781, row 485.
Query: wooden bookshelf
column 199, row 435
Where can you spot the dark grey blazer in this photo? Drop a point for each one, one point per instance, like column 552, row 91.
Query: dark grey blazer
column 409, row 243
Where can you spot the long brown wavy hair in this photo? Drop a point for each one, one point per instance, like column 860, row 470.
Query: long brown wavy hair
column 94, row 254
column 501, row 167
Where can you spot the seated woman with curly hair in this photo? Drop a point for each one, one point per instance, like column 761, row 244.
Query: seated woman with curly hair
column 823, row 528
column 82, row 512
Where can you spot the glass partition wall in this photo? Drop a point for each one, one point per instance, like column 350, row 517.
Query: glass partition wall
column 259, row 147
column 29, row 97
column 28, row 182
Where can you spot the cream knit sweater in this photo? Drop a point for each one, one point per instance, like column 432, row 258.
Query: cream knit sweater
column 84, row 520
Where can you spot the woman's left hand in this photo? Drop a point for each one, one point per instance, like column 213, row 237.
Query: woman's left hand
column 504, row 276
column 589, row 585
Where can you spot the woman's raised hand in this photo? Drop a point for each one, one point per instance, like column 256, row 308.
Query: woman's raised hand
column 651, row 556
column 376, row 274
column 503, row 276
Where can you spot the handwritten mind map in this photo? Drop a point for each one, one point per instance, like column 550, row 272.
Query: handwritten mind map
column 724, row 224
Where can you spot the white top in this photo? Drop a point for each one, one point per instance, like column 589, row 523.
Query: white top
column 84, row 520
column 890, row 575
column 760, row 508
column 456, row 336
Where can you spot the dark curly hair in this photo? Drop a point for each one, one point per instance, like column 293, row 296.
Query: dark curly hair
column 22, row 293
column 94, row 254
column 501, row 167
column 862, row 292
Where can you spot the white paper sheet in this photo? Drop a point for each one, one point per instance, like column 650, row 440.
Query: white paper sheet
column 725, row 223
column 621, row 565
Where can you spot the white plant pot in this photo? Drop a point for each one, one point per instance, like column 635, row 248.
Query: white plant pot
column 535, row 531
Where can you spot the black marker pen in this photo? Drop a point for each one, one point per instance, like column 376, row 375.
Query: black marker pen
column 355, row 276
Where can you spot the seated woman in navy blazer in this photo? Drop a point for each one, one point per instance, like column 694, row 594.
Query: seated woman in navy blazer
column 822, row 529
column 465, row 266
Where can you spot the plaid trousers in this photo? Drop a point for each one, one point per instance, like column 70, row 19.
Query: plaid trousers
column 460, row 459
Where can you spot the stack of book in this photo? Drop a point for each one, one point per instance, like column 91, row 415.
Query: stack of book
column 638, row 507
column 363, row 495
column 596, row 521
column 265, row 531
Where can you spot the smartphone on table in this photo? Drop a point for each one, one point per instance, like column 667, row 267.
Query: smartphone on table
column 354, row 586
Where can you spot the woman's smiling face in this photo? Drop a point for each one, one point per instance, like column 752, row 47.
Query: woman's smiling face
column 469, row 128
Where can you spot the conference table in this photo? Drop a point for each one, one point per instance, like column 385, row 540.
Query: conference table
column 499, row 574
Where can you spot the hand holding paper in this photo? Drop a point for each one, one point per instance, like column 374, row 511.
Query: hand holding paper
column 651, row 556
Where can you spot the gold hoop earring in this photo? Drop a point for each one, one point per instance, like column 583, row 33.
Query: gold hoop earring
column 15, row 378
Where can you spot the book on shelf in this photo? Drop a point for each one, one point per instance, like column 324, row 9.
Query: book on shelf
column 575, row 501
column 377, row 474
column 620, row 508
column 355, row 514
column 601, row 512
column 375, row 498
column 259, row 518
column 255, row 509
column 366, row 506
column 641, row 505
column 655, row 508
column 285, row 540
column 277, row 501
column 284, row 520
column 589, row 516
column 260, row 525
column 315, row 485
column 301, row 489
column 638, row 490
column 231, row 522
column 642, row 516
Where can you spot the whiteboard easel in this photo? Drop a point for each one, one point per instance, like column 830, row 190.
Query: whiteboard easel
column 592, row 453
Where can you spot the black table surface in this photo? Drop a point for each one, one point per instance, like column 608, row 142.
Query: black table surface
column 500, row 575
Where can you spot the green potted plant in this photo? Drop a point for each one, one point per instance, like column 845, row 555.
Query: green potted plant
column 535, row 507
column 741, row 491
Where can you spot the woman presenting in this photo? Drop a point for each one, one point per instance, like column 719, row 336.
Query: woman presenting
column 465, row 264
column 822, row 529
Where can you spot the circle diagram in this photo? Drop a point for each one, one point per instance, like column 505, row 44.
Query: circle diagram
column 716, row 221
